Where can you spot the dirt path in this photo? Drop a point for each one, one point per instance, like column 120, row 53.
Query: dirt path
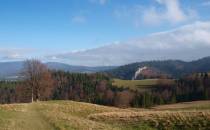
column 29, row 119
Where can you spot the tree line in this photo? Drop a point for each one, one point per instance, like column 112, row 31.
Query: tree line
column 39, row 83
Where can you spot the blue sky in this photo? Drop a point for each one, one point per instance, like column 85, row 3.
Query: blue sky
column 47, row 27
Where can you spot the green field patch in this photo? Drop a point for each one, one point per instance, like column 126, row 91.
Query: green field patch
column 141, row 84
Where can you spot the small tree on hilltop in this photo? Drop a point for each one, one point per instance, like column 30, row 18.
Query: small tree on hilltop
column 38, row 78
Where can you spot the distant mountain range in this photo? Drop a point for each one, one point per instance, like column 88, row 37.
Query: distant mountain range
column 10, row 70
column 139, row 70
column 77, row 69
column 169, row 68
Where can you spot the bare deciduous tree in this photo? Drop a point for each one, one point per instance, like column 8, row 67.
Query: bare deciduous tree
column 38, row 78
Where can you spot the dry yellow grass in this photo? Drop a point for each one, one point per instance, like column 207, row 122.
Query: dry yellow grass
column 74, row 115
column 158, row 119
column 69, row 115
column 185, row 106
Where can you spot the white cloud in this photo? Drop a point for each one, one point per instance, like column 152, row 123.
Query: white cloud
column 186, row 43
column 13, row 56
column 151, row 16
column 101, row 2
column 79, row 19
column 14, row 53
column 164, row 11
column 53, row 58
column 206, row 3
column 171, row 12
column 174, row 13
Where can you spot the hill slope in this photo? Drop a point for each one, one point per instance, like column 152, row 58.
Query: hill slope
column 171, row 68
column 68, row 115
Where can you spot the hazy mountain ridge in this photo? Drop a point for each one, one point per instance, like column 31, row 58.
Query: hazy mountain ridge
column 78, row 69
column 173, row 68
column 12, row 69
column 8, row 69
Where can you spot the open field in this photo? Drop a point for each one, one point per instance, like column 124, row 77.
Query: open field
column 69, row 115
column 140, row 84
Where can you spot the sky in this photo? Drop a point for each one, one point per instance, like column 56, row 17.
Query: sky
column 104, row 32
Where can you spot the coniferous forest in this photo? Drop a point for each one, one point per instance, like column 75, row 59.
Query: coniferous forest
column 97, row 88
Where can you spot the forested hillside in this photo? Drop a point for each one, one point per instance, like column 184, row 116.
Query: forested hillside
column 97, row 88
column 172, row 68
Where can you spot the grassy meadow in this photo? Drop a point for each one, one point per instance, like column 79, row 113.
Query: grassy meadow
column 69, row 115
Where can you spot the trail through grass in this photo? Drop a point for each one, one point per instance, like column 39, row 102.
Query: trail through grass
column 23, row 117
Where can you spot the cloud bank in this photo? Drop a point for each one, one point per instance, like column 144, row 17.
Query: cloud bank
column 186, row 43
column 9, row 54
